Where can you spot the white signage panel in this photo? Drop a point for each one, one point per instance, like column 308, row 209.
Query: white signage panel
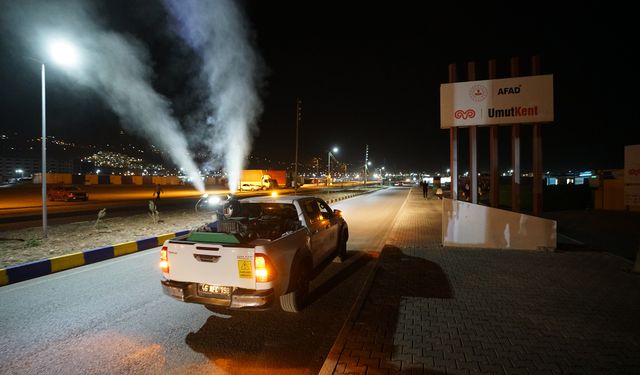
column 498, row 101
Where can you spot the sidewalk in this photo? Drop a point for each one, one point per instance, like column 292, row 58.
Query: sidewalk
column 435, row 310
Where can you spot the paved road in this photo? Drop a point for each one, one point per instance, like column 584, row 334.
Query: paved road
column 21, row 206
column 441, row 310
column 112, row 318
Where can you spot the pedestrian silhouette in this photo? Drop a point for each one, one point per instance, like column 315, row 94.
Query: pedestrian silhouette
column 157, row 192
column 425, row 189
column 467, row 192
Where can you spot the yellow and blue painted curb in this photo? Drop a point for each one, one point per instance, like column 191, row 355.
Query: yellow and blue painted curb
column 42, row 267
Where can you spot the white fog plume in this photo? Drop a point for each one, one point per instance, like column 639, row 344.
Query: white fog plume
column 121, row 74
column 231, row 69
column 116, row 67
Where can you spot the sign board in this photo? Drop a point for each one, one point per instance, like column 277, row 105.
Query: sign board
column 497, row 101
column 632, row 175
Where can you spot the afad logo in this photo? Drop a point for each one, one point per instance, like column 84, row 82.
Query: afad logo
column 509, row 90
column 478, row 93
column 460, row 114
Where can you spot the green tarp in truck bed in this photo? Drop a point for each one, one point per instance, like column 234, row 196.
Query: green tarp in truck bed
column 213, row 237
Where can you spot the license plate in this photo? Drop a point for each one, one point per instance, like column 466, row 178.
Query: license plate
column 214, row 289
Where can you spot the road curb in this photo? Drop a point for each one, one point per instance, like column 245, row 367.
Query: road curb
column 352, row 195
column 42, row 267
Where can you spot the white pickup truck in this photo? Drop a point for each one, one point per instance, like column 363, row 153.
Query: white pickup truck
column 261, row 249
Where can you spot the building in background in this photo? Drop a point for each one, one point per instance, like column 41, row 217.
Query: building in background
column 16, row 167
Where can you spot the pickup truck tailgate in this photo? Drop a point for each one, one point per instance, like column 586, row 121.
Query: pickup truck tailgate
column 211, row 264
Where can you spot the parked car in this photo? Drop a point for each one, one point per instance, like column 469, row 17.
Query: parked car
column 67, row 193
column 249, row 187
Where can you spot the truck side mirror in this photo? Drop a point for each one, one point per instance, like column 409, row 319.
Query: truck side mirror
column 338, row 213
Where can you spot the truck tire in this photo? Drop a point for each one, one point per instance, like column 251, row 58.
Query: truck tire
column 342, row 247
column 294, row 300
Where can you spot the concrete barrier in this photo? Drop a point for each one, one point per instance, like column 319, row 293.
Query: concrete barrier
column 53, row 178
column 91, row 179
column 472, row 225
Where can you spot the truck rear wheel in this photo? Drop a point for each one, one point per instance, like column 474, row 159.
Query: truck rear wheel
column 294, row 300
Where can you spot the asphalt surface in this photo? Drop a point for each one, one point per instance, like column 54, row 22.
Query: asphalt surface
column 435, row 310
column 426, row 309
column 21, row 206
column 111, row 317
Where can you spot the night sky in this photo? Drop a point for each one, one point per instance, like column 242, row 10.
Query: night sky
column 367, row 73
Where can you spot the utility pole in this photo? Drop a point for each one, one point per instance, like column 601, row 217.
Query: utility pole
column 329, row 168
column 298, row 118
column 366, row 163
column 329, row 155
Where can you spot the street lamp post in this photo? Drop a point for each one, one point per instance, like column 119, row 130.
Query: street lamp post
column 64, row 54
column 335, row 149
column 43, row 178
column 366, row 171
column 366, row 163
column 295, row 167
column 381, row 171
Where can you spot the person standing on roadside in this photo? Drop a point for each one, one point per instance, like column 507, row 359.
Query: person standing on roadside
column 425, row 189
column 157, row 193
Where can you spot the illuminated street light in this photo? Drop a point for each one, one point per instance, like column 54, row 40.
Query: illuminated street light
column 381, row 174
column 335, row 150
column 64, row 54
column 366, row 171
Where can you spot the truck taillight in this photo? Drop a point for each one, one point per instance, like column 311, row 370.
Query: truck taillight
column 264, row 269
column 164, row 260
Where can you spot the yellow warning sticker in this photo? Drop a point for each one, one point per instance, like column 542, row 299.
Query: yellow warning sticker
column 245, row 269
